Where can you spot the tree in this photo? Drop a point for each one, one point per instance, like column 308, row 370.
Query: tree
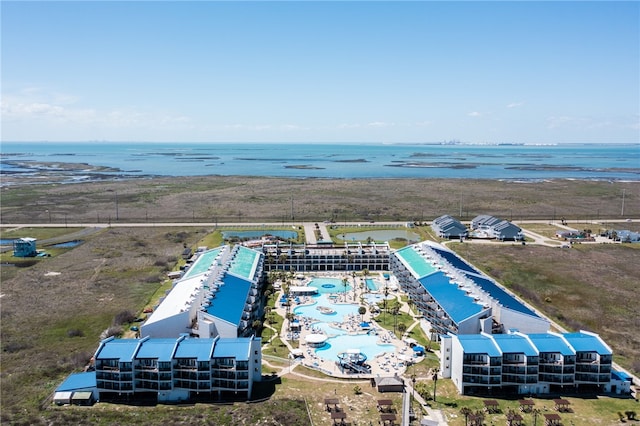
column 394, row 311
column 435, row 381
column 345, row 283
column 478, row 418
column 362, row 310
column 466, row 412
column 402, row 328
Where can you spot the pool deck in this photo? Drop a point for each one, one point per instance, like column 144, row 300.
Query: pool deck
column 382, row 365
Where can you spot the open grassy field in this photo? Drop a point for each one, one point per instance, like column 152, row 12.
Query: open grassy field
column 249, row 199
column 54, row 311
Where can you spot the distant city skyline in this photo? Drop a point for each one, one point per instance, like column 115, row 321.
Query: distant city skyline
column 296, row 72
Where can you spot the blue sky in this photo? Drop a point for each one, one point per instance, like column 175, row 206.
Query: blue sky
column 478, row 72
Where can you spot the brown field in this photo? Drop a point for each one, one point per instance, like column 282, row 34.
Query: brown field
column 51, row 323
column 249, row 199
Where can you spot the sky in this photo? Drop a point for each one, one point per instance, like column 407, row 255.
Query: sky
column 327, row 71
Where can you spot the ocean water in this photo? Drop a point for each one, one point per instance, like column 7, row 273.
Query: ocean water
column 508, row 162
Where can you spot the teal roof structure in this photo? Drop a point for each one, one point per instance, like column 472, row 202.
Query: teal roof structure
column 414, row 261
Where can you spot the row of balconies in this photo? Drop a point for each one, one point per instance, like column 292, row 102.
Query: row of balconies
column 592, row 378
column 506, row 379
column 557, row 369
column 556, row 378
column 567, row 360
column 479, row 380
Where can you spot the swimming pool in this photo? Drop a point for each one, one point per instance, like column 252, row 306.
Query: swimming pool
column 367, row 344
column 340, row 310
column 371, row 284
column 329, row 285
column 375, row 298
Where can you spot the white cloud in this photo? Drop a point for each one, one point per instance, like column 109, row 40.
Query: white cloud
column 425, row 123
column 32, row 109
column 515, row 104
column 380, row 124
column 474, row 114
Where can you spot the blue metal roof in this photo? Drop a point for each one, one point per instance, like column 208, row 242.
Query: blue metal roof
column 587, row 342
column 478, row 344
column 621, row 375
column 233, row 348
column 514, row 344
column 497, row 293
column 230, row 299
column 453, row 300
column 121, row 349
column 551, row 343
column 160, row 349
column 454, row 260
column 78, row 381
column 199, row 349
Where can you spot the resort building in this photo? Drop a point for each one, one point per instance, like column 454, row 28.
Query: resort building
column 492, row 227
column 521, row 363
column 355, row 256
column 219, row 295
column 177, row 369
column 448, row 227
column 455, row 297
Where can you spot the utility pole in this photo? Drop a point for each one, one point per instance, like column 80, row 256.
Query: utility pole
column 117, row 212
column 623, row 192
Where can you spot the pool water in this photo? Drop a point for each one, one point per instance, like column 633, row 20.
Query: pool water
column 341, row 310
column 329, row 285
column 371, row 284
column 364, row 342
column 329, row 330
column 285, row 235
column 375, row 298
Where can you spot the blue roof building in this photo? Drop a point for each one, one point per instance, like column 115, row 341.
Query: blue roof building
column 522, row 363
column 448, row 227
column 180, row 369
column 219, row 294
column 455, row 297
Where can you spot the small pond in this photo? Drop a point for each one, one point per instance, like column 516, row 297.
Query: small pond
column 285, row 235
column 381, row 235
column 67, row 244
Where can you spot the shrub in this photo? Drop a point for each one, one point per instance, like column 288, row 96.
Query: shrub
column 124, row 317
column 74, row 332
column 111, row 331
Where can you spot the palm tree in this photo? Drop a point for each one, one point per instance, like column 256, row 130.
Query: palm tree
column 362, row 310
column 345, row 283
column 466, row 412
column 435, row 381
column 394, row 311
column 402, row 328
column 478, row 418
